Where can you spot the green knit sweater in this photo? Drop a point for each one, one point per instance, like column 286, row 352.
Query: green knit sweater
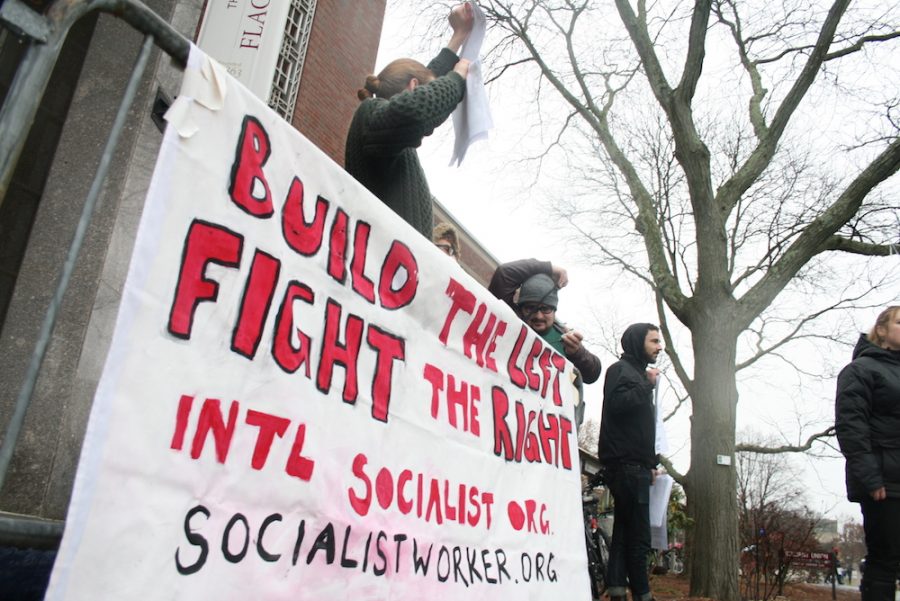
column 384, row 134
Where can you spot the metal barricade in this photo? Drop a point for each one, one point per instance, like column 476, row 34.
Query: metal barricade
column 44, row 35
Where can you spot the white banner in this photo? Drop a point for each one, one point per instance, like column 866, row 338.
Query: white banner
column 245, row 36
column 305, row 399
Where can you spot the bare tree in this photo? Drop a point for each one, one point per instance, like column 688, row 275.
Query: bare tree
column 690, row 166
column 587, row 436
column 772, row 519
column 852, row 545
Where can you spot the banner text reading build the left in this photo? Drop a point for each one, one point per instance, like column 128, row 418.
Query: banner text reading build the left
column 305, row 399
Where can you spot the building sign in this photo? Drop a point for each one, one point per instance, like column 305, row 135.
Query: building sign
column 304, row 398
column 808, row 559
column 245, row 37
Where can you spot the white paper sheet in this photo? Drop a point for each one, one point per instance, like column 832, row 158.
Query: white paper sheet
column 472, row 118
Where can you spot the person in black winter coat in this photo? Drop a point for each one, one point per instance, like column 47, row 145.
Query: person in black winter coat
column 627, row 451
column 867, row 420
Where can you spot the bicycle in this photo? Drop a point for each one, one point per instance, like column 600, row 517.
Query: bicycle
column 668, row 560
column 596, row 540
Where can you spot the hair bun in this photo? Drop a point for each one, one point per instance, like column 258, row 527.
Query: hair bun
column 370, row 89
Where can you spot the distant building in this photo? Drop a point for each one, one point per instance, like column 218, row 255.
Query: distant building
column 826, row 532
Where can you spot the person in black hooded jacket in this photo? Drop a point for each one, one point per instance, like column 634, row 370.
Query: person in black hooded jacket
column 627, row 451
column 867, row 420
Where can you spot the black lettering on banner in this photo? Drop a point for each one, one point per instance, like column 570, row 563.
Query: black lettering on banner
column 325, row 540
column 501, row 566
column 194, row 539
column 457, row 570
column 527, row 568
column 398, row 539
column 458, row 564
column 366, row 552
column 347, row 562
column 266, row 556
column 539, row 566
column 420, row 564
column 301, row 532
column 382, row 536
column 226, row 538
column 443, row 554
column 487, row 566
column 473, row 570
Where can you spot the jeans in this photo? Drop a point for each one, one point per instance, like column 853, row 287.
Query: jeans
column 627, row 567
column 881, row 522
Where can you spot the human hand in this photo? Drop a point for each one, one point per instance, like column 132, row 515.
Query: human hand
column 462, row 67
column 879, row 494
column 560, row 276
column 462, row 18
column 653, row 375
column 571, row 341
column 653, row 474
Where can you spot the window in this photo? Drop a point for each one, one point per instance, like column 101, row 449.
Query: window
column 290, row 60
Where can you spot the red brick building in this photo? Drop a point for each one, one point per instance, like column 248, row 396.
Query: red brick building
column 342, row 48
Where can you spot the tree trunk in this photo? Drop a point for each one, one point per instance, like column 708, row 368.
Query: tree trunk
column 711, row 485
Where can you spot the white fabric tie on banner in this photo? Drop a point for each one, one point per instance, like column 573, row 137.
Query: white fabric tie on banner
column 204, row 83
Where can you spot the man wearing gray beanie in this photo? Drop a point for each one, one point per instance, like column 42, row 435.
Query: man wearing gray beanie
column 537, row 284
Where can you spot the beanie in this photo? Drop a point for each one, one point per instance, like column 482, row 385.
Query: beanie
column 539, row 288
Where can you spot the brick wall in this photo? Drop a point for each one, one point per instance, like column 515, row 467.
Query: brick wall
column 342, row 48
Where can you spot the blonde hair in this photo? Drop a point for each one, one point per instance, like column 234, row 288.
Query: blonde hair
column 447, row 233
column 884, row 318
column 394, row 78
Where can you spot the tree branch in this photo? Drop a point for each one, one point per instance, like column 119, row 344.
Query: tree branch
column 763, row 450
column 693, row 61
column 861, row 248
column 673, row 355
column 761, row 156
column 508, row 66
column 855, row 47
column 817, row 235
column 670, row 469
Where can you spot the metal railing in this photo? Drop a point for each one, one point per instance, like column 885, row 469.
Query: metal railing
column 45, row 35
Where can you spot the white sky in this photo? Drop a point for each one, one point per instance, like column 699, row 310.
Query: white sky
column 486, row 194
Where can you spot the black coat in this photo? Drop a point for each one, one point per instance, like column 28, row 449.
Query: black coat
column 867, row 419
column 628, row 422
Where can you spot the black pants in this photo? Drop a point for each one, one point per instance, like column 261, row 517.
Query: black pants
column 630, row 488
column 881, row 522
